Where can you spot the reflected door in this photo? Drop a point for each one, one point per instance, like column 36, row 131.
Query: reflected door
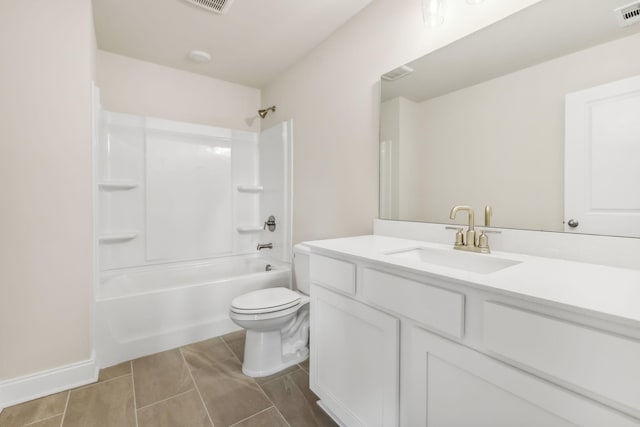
column 602, row 159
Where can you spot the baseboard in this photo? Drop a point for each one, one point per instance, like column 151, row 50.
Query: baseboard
column 328, row 411
column 44, row 383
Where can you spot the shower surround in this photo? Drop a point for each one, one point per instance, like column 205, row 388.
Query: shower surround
column 180, row 210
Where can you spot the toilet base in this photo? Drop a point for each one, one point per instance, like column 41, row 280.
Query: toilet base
column 288, row 361
column 263, row 354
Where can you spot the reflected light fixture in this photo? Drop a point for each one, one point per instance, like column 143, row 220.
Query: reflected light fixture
column 472, row 2
column 433, row 12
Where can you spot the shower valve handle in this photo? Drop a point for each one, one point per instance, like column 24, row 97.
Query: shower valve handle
column 271, row 223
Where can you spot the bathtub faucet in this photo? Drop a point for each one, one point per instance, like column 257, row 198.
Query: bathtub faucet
column 264, row 246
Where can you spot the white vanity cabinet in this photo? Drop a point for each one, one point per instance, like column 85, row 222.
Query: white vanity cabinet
column 354, row 350
column 391, row 346
column 455, row 386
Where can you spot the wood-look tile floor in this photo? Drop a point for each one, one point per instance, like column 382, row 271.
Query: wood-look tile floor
column 199, row 385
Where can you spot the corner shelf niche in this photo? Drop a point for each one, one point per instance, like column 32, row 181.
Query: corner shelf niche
column 250, row 188
column 116, row 185
column 121, row 237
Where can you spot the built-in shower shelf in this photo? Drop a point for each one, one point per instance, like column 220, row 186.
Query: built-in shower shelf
column 115, row 185
column 117, row 237
column 250, row 188
column 249, row 228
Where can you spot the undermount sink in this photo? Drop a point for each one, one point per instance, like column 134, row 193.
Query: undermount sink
column 476, row 263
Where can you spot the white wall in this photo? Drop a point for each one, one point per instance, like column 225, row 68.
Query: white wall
column 45, row 167
column 137, row 87
column 333, row 98
column 510, row 151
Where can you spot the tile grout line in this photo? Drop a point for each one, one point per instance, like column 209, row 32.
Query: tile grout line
column 97, row 383
column 253, row 415
column 280, row 376
column 133, row 387
column 168, row 398
column 41, row 420
column 229, row 348
column 269, row 399
column 259, row 387
column 195, row 385
column 66, row 405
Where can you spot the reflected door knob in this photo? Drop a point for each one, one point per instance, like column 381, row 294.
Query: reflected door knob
column 573, row 223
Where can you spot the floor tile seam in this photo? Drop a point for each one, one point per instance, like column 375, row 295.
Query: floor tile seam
column 195, row 385
column 278, row 377
column 294, row 384
column 133, row 388
column 166, row 399
column 66, row 406
column 39, row 420
column 272, row 402
column 109, row 379
column 211, row 360
column 232, row 352
column 253, row 415
column 97, row 383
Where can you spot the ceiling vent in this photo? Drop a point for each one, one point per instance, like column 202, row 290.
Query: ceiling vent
column 216, row 6
column 397, row 73
column 629, row 14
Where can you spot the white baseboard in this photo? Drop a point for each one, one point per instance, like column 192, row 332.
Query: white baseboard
column 44, row 383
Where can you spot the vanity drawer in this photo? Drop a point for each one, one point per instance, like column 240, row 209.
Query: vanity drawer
column 433, row 307
column 596, row 361
column 333, row 273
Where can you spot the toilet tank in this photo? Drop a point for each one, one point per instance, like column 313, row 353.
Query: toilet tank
column 302, row 275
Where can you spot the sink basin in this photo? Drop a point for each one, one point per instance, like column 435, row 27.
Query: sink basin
column 476, row 263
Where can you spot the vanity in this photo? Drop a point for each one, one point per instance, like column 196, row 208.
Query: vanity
column 412, row 333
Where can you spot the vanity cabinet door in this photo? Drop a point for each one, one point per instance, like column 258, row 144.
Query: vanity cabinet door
column 455, row 386
column 354, row 360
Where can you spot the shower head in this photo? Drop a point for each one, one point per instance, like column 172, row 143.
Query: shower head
column 263, row 113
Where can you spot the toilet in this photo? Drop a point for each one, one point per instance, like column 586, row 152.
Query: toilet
column 277, row 322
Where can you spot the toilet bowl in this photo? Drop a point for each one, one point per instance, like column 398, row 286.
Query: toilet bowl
column 277, row 322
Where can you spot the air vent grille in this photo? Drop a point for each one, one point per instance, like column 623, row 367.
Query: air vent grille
column 397, row 73
column 216, row 6
column 629, row 14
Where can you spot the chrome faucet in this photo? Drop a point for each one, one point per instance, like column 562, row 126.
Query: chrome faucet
column 470, row 243
column 264, row 246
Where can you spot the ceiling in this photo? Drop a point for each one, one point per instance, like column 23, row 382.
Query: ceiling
column 251, row 44
column 548, row 29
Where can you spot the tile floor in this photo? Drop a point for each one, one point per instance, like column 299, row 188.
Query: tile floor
column 193, row 386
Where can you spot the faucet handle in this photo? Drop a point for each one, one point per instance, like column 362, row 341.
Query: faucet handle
column 459, row 237
column 483, row 244
column 488, row 212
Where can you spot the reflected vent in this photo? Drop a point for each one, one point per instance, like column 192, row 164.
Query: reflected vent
column 216, row 6
column 629, row 14
column 397, row 73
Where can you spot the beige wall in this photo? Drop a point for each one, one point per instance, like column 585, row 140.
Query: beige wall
column 510, row 151
column 45, row 170
column 132, row 86
column 333, row 97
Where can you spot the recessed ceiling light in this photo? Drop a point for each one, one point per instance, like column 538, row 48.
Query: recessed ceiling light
column 474, row 1
column 199, row 56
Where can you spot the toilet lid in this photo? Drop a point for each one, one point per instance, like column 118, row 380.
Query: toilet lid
column 265, row 301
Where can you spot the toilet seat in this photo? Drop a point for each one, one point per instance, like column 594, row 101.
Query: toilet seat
column 265, row 301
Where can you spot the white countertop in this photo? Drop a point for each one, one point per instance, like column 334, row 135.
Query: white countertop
column 604, row 290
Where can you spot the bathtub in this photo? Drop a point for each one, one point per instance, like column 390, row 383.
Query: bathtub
column 147, row 310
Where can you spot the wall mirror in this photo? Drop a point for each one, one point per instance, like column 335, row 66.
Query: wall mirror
column 485, row 121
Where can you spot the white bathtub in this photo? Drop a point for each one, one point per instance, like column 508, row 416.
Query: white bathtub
column 152, row 309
